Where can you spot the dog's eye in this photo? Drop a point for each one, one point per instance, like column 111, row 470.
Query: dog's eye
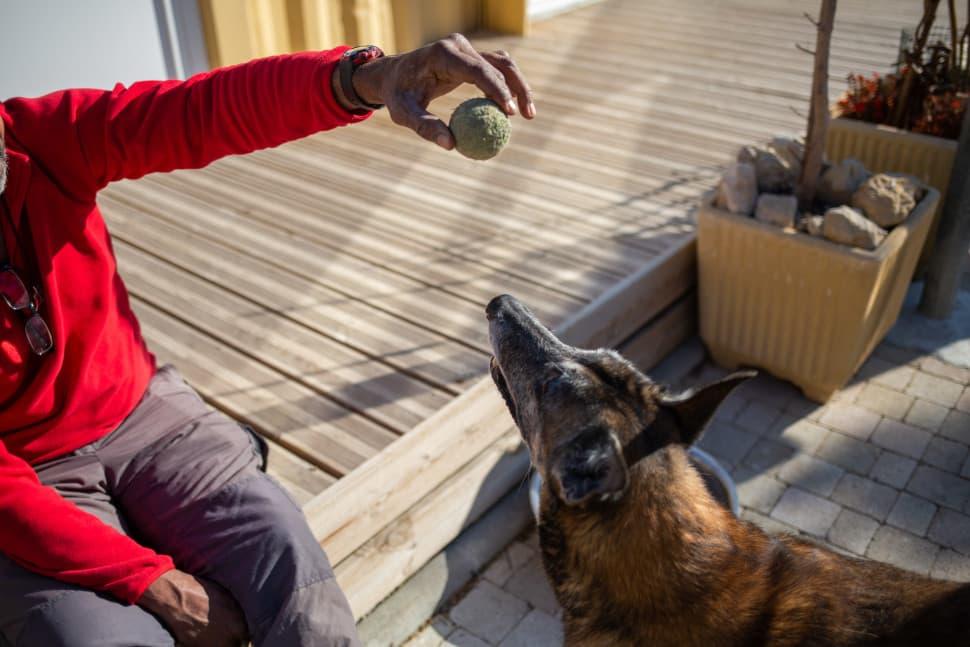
column 549, row 385
column 542, row 387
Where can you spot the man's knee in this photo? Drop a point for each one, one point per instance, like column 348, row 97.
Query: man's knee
column 318, row 611
column 289, row 592
column 86, row 619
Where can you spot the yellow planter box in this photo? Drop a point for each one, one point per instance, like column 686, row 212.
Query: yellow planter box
column 801, row 308
column 886, row 149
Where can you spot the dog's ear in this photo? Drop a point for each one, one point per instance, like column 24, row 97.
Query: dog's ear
column 694, row 408
column 590, row 467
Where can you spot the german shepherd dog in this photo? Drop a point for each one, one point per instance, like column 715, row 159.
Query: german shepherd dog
column 637, row 550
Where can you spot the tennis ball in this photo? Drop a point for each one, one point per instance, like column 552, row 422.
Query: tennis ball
column 480, row 128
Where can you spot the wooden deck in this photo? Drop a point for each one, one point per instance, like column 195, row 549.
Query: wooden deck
column 330, row 292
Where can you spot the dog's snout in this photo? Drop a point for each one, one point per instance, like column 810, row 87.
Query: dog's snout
column 496, row 305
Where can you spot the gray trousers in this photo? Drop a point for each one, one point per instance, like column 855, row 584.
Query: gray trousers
column 184, row 480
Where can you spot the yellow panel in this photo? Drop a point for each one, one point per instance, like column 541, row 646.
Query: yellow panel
column 268, row 27
column 240, row 30
column 505, row 16
column 373, row 22
column 227, row 31
column 316, row 24
column 418, row 22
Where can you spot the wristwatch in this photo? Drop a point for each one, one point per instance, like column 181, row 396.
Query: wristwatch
column 350, row 61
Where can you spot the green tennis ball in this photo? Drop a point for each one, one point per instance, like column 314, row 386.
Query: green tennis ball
column 480, row 128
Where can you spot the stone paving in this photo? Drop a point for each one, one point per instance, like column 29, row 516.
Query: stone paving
column 881, row 471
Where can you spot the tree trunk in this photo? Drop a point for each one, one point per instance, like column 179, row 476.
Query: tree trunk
column 952, row 237
column 922, row 34
column 818, row 116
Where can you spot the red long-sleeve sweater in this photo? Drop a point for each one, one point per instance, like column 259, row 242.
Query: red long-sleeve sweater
column 62, row 149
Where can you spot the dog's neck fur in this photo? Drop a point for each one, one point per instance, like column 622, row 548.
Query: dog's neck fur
column 666, row 521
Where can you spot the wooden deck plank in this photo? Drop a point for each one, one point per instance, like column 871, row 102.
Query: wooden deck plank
column 516, row 201
column 374, row 391
column 419, row 241
column 301, row 479
column 650, row 201
column 763, row 22
column 386, row 560
column 712, row 41
column 410, row 300
column 640, row 51
column 646, row 347
column 743, row 34
column 440, row 214
column 643, row 206
column 353, row 252
column 635, row 156
column 325, row 434
column 497, row 194
column 644, row 209
column 348, row 319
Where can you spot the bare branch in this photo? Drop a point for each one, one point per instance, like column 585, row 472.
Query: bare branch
column 798, row 112
column 818, row 115
column 802, row 48
column 953, row 58
column 809, row 18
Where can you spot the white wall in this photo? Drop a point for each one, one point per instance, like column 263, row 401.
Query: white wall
column 47, row 45
column 541, row 9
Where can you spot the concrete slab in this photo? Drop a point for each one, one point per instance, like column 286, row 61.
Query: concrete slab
column 947, row 339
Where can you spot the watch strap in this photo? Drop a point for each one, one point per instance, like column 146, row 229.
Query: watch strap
column 348, row 63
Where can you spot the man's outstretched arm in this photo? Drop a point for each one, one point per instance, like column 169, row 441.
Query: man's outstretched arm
column 88, row 138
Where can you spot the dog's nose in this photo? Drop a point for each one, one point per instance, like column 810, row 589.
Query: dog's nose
column 497, row 304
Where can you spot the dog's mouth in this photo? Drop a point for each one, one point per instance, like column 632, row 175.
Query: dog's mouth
column 503, row 387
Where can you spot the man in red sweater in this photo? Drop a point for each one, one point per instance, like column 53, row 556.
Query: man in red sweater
column 131, row 513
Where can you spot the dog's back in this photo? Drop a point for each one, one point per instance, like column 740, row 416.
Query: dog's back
column 668, row 566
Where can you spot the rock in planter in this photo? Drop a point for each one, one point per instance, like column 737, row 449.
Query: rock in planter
column 886, row 199
column 841, row 180
column 776, row 209
column 848, row 226
column 776, row 166
column 813, row 225
column 747, row 155
column 791, row 151
column 738, row 189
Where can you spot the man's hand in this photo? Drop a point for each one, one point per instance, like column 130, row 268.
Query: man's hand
column 197, row 612
column 407, row 83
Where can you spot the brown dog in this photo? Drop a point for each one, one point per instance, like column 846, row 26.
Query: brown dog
column 637, row 550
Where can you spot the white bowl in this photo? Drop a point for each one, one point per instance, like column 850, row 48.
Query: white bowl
column 715, row 476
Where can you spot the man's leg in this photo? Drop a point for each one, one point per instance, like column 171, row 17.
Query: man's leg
column 38, row 610
column 187, row 479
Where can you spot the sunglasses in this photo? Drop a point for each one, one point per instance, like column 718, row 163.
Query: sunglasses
column 15, row 293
